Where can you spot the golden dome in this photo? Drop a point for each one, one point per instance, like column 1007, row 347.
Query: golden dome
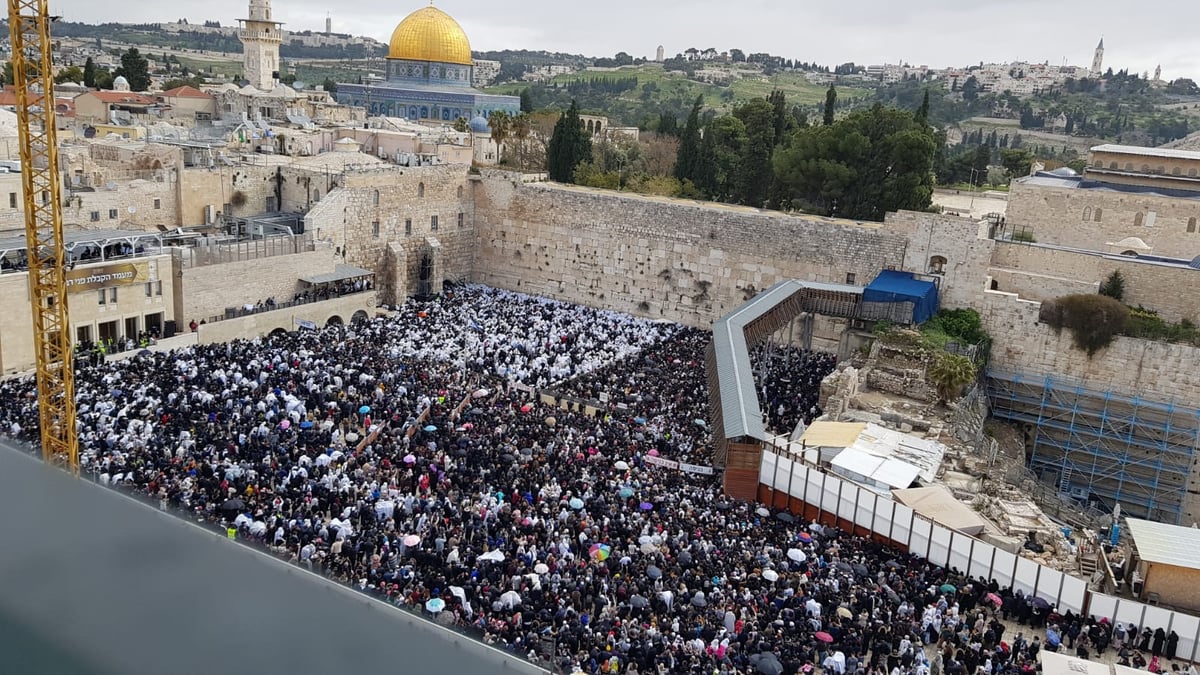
column 429, row 34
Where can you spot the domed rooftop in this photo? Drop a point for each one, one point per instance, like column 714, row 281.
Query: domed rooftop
column 429, row 34
column 479, row 125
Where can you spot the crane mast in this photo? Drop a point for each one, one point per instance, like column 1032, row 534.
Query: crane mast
column 33, row 77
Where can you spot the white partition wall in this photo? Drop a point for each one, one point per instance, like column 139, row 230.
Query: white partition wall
column 1157, row 617
column 1074, row 592
column 848, row 502
column 1003, row 566
column 829, row 498
column 1026, row 578
column 902, row 525
column 939, row 546
column 868, row 502
column 981, row 560
column 1187, row 627
column 921, row 533
column 1103, row 607
column 1130, row 612
column 960, row 552
column 1049, row 583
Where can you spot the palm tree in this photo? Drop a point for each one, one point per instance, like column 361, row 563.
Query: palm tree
column 500, row 123
column 949, row 373
column 520, row 127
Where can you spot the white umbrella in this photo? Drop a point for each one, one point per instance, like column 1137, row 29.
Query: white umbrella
column 797, row 555
column 762, row 511
column 541, row 568
column 494, row 556
column 649, row 548
column 770, row 575
column 622, row 465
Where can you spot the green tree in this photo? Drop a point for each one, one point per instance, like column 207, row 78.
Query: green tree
column 687, row 163
column 500, row 124
column 830, row 102
column 461, row 125
column 861, row 167
column 754, row 172
column 1114, row 286
column 329, row 85
column 135, row 69
column 89, row 73
column 720, row 156
column 69, row 74
column 949, row 373
column 526, row 101
column 569, row 145
column 983, row 157
column 922, row 115
column 1016, row 163
column 784, row 122
column 970, row 89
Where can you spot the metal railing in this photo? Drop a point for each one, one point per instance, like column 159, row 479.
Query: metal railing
column 262, row 307
column 218, row 253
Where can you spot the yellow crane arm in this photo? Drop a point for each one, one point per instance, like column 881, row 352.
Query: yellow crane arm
column 33, row 79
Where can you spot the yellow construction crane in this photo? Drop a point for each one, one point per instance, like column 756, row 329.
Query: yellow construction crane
column 33, row 80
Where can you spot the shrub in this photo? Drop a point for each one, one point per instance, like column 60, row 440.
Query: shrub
column 949, row 373
column 1094, row 320
column 1113, row 286
column 961, row 325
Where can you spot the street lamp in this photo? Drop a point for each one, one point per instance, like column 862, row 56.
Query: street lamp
column 974, row 173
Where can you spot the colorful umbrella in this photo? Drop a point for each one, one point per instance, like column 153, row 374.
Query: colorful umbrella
column 412, row 540
column 646, row 506
column 625, row 492
column 410, row 459
column 823, row 636
column 804, row 537
column 576, row 503
column 364, row 410
column 948, row 588
column 600, row 552
column 992, row 597
column 435, row 605
column 526, row 408
column 431, row 428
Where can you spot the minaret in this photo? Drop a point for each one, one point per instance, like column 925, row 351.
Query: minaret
column 1098, row 59
column 1158, row 73
column 260, row 38
column 328, row 24
column 658, row 56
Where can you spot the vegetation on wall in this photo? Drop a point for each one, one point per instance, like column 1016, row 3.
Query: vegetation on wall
column 949, row 373
column 1094, row 320
column 1113, row 285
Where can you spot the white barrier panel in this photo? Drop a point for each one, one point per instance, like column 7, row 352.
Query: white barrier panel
column 1026, row 579
column 829, row 497
column 868, row 501
column 939, row 546
column 1103, row 607
column 1049, row 583
column 981, row 560
column 884, row 512
column 921, row 537
column 1157, row 617
column 816, row 480
column 1130, row 612
column 1002, row 567
column 1186, row 626
column 960, row 552
column 847, row 504
column 1073, row 593
column 902, row 521
column 767, row 468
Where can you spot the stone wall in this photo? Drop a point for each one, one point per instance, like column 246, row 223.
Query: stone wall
column 959, row 246
column 1057, row 216
column 679, row 260
column 336, row 310
column 208, row 290
column 1171, row 290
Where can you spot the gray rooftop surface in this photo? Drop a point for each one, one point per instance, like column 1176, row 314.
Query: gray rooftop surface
column 98, row 584
column 1165, row 544
column 1168, row 153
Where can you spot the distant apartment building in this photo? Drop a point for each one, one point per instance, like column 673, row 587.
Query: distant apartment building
column 485, row 72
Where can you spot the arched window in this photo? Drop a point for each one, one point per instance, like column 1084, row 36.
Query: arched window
column 1112, row 165
column 1087, row 213
column 1192, row 173
column 1137, row 219
column 460, row 192
column 375, row 198
column 1192, row 224
column 937, row 264
column 420, row 189
column 1129, row 166
column 1098, row 214
column 1145, row 168
column 1175, row 171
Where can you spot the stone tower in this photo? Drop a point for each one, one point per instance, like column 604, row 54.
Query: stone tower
column 260, row 37
column 1158, row 74
column 1098, row 60
column 660, row 54
column 328, row 24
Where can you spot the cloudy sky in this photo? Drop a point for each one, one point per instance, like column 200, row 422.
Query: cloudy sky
column 937, row 33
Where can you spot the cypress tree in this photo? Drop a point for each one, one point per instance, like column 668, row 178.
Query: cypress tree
column 526, row 101
column 687, row 162
column 569, row 146
column 830, row 101
column 923, row 111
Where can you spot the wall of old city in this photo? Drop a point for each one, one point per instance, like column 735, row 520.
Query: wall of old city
column 953, row 251
column 1042, row 272
column 1068, row 217
column 679, row 260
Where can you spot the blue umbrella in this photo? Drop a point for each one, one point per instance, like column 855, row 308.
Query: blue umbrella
column 306, row 424
column 431, row 428
column 364, row 410
column 625, row 492
column 576, row 503
column 646, row 506
column 435, row 605
column 640, row 420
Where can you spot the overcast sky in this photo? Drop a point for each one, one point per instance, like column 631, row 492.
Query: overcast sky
column 937, row 33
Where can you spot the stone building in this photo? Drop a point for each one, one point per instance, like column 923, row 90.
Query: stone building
column 260, row 36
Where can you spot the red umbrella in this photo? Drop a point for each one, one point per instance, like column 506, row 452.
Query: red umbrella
column 823, row 636
column 992, row 597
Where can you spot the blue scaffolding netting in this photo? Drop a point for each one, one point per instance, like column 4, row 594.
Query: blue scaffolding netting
column 894, row 286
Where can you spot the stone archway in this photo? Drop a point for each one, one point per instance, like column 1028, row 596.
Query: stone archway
column 277, row 332
column 334, row 320
column 359, row 317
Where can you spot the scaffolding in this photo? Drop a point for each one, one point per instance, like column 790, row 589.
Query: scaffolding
column 1102, row 447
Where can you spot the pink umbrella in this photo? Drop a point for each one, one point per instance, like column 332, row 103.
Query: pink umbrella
column 412, row 540
column 526, row 408
column 823, row 636
column 285, row 424
column 410, row 459
column 653, row 452
column 992, row 597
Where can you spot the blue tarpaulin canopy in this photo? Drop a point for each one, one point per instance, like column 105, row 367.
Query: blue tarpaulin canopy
column 897, row 286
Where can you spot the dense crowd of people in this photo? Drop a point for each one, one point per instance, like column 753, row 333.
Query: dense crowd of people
column 789, row 383
column 406, row 456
